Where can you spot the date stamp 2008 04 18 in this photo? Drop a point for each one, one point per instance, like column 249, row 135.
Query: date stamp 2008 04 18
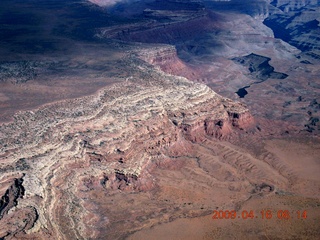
column 264, row 214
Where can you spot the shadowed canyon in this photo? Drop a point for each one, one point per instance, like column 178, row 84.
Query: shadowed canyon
column 159, row 119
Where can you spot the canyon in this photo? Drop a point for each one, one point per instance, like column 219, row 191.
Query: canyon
column 138, row 119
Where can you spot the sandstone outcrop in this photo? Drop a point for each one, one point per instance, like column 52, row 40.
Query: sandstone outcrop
column 165, row 57
column 53, row 157
column 105, row 144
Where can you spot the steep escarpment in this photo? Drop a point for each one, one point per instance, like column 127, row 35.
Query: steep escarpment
column 299, row 28
column 288, row 5
column 158, row 32
column 106, row 145
column 166, row 58
column 62, row 161
column 18, row 219
column 257, row 9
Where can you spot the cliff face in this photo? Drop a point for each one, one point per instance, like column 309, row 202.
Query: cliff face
column 62, row 160
column 183, row 25
column 165, row 57
column 289, row 5
column 298, row 25
column 149, row 147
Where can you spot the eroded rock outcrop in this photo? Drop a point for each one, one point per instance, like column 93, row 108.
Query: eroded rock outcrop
column 111, row 141
column 288, row 5
column 299, row 28
column 147, row 150
column 165, row 57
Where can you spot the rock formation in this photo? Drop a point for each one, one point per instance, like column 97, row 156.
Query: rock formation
column 299, row 28
column 287, row 5
column 109, row 141
column 165, row 57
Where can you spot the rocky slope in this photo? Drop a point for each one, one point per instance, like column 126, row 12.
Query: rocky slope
column 299, row 28
column 166, row 58
column 136, row 147
column 55, row 158
column 288, row 5
column 205, row 42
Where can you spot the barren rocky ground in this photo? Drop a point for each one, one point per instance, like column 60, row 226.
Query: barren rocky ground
column 139, row 120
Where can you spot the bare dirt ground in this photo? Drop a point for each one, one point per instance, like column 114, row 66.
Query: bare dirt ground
column 302, row 157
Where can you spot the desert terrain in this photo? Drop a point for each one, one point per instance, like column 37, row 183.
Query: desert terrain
column 151, row 119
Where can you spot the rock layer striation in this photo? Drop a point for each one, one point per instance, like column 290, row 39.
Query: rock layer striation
column 53, row 158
